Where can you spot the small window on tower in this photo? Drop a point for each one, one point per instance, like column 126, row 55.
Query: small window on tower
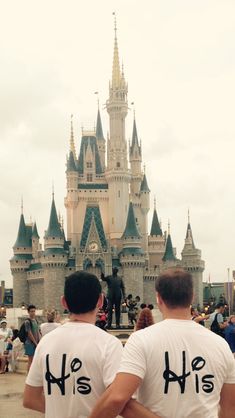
column 118, row 164
column 89, row 177
column 119, row 194
column 89, row 164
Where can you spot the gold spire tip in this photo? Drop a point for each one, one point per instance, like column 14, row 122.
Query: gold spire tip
column 53, row 190
column 98, row 99
column 115, row 24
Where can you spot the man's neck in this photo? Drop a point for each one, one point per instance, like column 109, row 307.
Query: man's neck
column 178, row 313
column 88, row 318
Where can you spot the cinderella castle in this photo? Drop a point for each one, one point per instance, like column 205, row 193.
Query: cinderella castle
column 107, row 204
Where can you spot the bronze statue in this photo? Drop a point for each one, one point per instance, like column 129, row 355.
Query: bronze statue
column 115, row 294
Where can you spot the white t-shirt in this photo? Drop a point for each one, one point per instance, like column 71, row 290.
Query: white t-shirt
column 183, row 367
column 74, row 364
column 48, row 327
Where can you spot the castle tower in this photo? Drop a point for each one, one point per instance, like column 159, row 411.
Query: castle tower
column 117, row 173
column 20, row 263
column 71, row 201
column 54, row 261
column 156, row 242
column 135, row 155
column 132, row 256
column 192, row 262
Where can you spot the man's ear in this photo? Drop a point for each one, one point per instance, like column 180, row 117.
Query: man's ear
column 158, row 299
column 100, row 301
column 64, row 303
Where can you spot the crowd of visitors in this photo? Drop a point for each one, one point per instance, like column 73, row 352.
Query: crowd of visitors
column 167, row 365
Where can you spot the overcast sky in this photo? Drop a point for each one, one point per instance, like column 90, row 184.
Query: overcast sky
column 179, row 62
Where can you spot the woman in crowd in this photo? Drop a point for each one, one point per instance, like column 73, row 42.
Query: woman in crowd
column 5, row 336
column 145, row 319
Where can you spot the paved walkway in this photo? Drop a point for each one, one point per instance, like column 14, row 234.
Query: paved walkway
column 11, row 390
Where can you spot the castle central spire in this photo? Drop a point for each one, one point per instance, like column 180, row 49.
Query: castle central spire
column 116, row 75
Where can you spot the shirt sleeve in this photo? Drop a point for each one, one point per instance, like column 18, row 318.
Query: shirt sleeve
column 112, row 360
column 35, row 375
column 133, row 359
column 27, row 325
column 220, row 318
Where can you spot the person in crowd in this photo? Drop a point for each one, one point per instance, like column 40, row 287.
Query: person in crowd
column 115, row 294
column 5, row 335
column 197, row 317
column 230, row 333
column 9, row 350
column 33, row 334
column 74, row 364
column 137, row 306
column 217, row 323
column 101, row 319
column 145, row 319
column 178, row 368
column 50, row 325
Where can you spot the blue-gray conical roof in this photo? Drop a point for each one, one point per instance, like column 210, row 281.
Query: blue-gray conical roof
column 131, row 229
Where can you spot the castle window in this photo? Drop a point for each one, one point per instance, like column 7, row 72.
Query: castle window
column 112, row 221
column 119, row 194
column 118, row 164
column 89, row 177
column 89, row 164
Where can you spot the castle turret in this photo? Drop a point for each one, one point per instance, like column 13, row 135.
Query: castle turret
column 169, row 259
column 156, row 242
column 117, row 173
column 20, row 263
column 135, row 162
column 145, row 206
column 100, row 140
column 35, row 241
column 192, row 262
column 54, row 260
column 132, row 256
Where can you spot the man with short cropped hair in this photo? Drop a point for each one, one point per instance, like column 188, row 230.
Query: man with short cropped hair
column 178, row 368
column 76, row 362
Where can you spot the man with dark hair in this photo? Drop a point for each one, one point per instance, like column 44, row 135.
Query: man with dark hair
column 217, row 323
column 115, row 294
column 33, row 334
column 76, row 362
column 179, row 368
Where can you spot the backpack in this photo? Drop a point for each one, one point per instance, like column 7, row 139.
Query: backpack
column 216, row 328
column 23, row 333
